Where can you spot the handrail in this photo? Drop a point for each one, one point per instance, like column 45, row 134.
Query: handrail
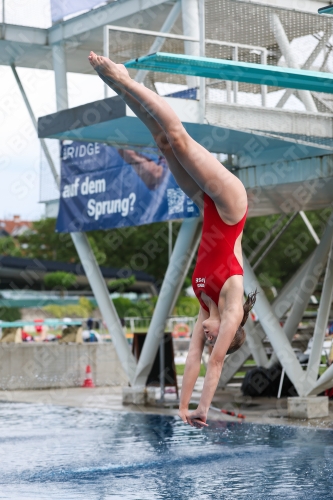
column 159, row 34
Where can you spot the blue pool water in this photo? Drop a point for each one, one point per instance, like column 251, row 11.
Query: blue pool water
column 69, row 453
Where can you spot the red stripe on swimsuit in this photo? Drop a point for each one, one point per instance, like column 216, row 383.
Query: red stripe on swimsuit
column 216, row 260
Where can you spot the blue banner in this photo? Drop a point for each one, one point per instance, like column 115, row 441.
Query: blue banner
column 64, row 8
column 103, row 187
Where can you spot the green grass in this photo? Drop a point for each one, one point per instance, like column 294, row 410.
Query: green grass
column 180, row 370
column 250, row 362
column 322, row 369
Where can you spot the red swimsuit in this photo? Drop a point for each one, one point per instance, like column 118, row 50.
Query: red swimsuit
column 216, row 260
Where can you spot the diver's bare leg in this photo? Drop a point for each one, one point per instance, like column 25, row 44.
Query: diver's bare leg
column 221, row 185
column 184, row 180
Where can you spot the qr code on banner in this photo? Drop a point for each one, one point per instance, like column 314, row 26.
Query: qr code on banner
column 176, row 198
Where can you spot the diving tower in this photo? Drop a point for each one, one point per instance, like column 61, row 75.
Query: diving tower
column 278, row 139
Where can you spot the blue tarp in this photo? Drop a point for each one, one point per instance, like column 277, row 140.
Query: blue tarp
column 103, row 187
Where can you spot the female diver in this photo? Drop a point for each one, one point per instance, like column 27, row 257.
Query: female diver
column 218, row 277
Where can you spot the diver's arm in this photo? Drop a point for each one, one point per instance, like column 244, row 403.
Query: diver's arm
column 229, row 324
column 192, row 365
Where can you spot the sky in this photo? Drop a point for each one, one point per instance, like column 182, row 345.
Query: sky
column 20, row 151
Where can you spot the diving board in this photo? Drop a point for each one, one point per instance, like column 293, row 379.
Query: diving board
column 223, row 69
column 326, row 10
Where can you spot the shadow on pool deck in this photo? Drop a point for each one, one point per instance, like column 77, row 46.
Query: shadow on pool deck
column 256, row 410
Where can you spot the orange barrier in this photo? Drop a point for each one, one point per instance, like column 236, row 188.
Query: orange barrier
column 180, row 330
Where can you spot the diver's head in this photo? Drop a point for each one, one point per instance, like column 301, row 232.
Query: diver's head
column 211, row 325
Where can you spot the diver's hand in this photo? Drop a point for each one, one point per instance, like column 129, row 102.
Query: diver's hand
column 184, row 414
column 197, row 419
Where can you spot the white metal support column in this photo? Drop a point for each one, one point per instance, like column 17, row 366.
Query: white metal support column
column 233, row 363
column 172, row 282
column 308, row 284
column 274, row 331
column 191, row 254
column 60, row 75
column 307, row 65
column 3, row 19
column 84, row 249
column 263, row 60
column 279, row 307
column 191, row 28
column 255, row 343
column 286, row 296
column 275, row 239
column 34, row 122
column 105, row 304
column 202, row 20
column 106, row 46
column 235, row 83
column 324, row 382
column 291, row 61
column 309, row 226
column 155, row 47
column 321, row 321
column 159, row 41
column 266, row 238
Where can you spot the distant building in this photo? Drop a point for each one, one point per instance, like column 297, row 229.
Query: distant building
column 14, row 227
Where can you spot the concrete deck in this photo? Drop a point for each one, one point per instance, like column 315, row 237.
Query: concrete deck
column 260, row 410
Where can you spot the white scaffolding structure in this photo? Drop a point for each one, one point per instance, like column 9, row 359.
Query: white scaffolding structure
column 271, row 184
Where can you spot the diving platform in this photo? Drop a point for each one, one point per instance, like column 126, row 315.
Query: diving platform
column 272, row 167
column 112, row 122
column 260, row 74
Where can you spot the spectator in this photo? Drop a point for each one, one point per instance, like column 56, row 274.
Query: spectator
column 91, row 335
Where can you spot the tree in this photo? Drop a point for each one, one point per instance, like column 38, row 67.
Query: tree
column 42, row 242
column 81, row 310
column 138, row 308
column 9, row 313
column 120, row 285
column 60, row 280
column 187, row 306
column 290, row 251
column 10, row 246
column 143, row 248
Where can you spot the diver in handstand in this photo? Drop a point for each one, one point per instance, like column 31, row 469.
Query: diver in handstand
column 218, row 276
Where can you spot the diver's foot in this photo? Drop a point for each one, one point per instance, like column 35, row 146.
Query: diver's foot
column 107, row 68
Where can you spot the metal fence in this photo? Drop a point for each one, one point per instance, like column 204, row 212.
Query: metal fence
column 138, row 324
column 241, row 31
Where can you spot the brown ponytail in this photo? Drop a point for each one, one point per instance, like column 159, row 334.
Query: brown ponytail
column 249, row 303
column 240, row 336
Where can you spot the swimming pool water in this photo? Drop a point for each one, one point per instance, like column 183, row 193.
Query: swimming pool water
column 69, row 453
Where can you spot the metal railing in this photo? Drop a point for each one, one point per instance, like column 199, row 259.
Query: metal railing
column 160, row 38
column 137, row 324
